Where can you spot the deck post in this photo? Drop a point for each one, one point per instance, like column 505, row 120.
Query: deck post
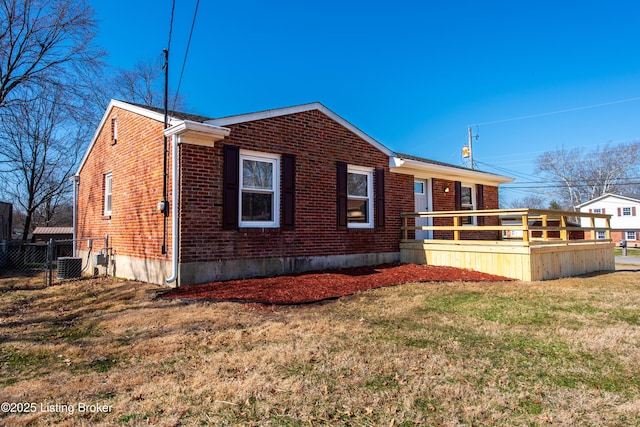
column 525, row 227
column 564, row 235
column 545, row 233
column 456, row 223
column 405, row 232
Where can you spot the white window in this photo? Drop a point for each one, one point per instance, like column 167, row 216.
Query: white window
column 601, row 235
column 597, row 210
column 259, row 190
column 626, row 211
column 359, row 197
column 631, row 235
column 468, row 201
column 107, row 193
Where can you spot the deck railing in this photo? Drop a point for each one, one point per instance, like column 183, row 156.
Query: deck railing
column 515, row 226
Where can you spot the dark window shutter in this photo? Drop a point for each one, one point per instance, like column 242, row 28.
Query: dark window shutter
column 341, row 200
column 590, row 210
column 458, row 195
column 602, row 210
column 230, row 187
column 619, row 212
column 480, row 202
column 633, row 211
column 288, row 191
column 379, row 197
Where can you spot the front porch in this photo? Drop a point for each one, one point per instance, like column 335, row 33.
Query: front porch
column 523, row 244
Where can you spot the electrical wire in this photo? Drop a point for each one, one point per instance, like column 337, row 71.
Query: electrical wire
column 186, row 54
column 173, row 7
column 568, row 110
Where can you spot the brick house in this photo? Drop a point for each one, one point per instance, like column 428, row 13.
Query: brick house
column 625, row 222
column 266, row 193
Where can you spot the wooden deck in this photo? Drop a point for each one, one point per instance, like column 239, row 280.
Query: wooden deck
column 523, row 244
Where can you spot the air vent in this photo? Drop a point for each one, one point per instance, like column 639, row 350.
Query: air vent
column 69, row 267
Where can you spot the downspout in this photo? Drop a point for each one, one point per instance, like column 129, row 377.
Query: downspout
column 174, row 209
column 76, row 182
column 185, row 132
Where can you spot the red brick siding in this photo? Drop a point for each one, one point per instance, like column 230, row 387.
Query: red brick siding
column 617, row 235
column 445, row 201
column 318, row 143
column 135, row 227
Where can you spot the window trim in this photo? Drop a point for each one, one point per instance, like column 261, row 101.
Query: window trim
column 108, row 194
column 628, row 233
column 626, row 211
column 474, row 202
column 275, row 160
column 368, row 172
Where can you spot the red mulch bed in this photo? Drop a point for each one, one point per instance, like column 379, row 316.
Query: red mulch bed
column 330, row 284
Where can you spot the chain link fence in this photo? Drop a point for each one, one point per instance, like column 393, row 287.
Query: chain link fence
column 54, row 260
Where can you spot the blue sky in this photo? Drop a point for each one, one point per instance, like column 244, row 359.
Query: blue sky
column 411, row 74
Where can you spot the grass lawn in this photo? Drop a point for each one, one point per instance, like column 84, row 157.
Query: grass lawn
column 634, row 252
column 106, row 352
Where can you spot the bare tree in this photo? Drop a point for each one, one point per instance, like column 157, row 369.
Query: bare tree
column 581, row 176
column 48, row 70
column 144, row 84
column 40, row 145
column 45, row 43
column 531, row 201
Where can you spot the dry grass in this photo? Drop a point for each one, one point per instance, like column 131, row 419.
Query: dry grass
column 559, row 352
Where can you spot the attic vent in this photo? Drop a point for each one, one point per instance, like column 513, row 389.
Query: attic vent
column 69, row 267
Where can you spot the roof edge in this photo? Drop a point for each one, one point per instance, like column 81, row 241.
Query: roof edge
column 588, row 202
column 401, row 164
column 278, row 112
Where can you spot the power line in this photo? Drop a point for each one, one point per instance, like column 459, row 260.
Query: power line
column 186, row 53
column 568, row 110
column 173, row 7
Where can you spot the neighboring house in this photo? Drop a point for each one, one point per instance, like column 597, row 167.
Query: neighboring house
column 273, row 192
column 6, row 213
column 624, row 211
column 62, row 236
column 44, row 234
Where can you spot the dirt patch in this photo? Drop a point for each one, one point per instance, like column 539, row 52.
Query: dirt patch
column 329, row 284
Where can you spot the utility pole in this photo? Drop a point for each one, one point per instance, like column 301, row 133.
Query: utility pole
column 470, row 147
column 165, row 204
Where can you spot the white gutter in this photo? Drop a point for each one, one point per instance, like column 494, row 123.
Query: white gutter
column 418, row 168
column 186, row 132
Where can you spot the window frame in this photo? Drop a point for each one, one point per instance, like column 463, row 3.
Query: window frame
column 628, row 234
column 626, row 211
column 368, row 172
column 470, row 207
column 108, row 194
column 601, row 235
column 275, row 160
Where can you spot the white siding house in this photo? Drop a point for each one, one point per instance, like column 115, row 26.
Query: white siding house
column 625, row 219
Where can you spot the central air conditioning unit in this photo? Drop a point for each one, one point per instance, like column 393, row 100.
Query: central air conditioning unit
column 69, row 267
